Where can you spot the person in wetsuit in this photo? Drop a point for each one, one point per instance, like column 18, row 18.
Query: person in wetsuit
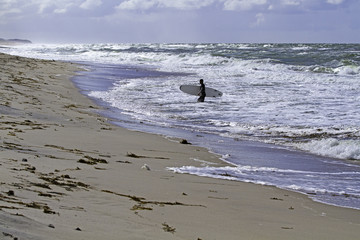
column 202, row 93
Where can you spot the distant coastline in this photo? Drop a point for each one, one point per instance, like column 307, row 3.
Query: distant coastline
column 14, row 41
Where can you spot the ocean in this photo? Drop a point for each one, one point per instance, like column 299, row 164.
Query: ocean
column 289, row 115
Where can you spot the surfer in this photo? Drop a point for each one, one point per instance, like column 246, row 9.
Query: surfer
column 202, row 93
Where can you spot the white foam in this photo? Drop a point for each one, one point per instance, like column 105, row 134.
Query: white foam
column 347, row 70
column 344, row 149
column 214, row 172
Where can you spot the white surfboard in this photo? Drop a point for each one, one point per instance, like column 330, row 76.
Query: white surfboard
column 194, row 90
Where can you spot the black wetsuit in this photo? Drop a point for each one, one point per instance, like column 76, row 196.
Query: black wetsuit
column 202, row 93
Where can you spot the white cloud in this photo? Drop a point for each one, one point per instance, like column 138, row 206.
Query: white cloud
column 260, row 18
column 291, row 2
column 242, row 5
column 11, row 9
column 42, row 5
column 231, row 5
column 4, row 13
column 90, row 4
column 54, row 6
column 137, row 4
column 64, row 6
column 47, row 6
column 336, row 2
column 174, row 20
column 178, row 4
column 60, row 10
column 7, row 5
column 187, row 4
column 7, row 8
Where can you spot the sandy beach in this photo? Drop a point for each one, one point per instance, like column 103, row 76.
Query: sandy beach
column 66, row 173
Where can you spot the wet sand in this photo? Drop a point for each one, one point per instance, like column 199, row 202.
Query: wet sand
column 66, row 173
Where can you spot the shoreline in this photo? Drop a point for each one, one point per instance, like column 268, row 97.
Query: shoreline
column 66, row 173
column 245, row 155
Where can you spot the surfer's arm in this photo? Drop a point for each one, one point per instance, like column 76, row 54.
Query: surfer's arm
column 202, row 90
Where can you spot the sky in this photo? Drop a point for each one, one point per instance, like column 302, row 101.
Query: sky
column 181, row 21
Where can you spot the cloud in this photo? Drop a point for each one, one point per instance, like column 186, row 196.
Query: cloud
column 137, row 5
column 336, row 2
column 228, row 5
column 291, row 2
column 5, row 13
column 66, row 6
column 260, row 18
column 188, row 4
column 46, row 6
column 241, row 5
column 20, row 9
column 177, row 20
column 8, row 6
column 149, row 4
column 49, row 6
column 8, row 10
column 90, row 4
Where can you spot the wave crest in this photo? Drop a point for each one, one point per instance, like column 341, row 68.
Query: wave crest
column 344, row 149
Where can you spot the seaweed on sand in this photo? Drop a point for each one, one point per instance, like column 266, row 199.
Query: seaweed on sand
column 133, row 155
column 168, row 228
column 92, row 161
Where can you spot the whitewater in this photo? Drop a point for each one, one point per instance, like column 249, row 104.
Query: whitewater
column 289, row 116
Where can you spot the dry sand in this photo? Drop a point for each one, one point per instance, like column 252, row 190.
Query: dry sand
column 65, row 173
